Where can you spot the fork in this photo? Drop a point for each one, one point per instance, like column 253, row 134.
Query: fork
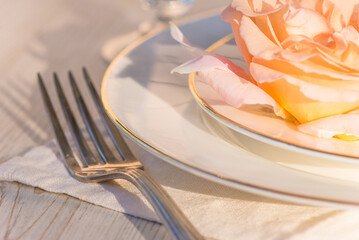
column 89, row 168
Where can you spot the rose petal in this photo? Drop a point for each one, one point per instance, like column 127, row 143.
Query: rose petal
column 334, row 16
column 206, row 62
column 331, row 44
column 347, row 8
column 263, row 21
column 257, row 43
column 305, row 22
column 328, row 127
column 258, row 9
column 309, row 4
column 354, row 20
column 351, row 55
column 306, row 101
column 304, row 45
column 337, row 61
column 312, row 68
column 260, row 38
column 237, row 91
column 311, row 90
column 350, row 34
column 177, row 35
column 334, row 43
column 230, row 81
column 315, row 70
column 277, row 21
column 260, row 46
column 272, row 32
column 234, row 18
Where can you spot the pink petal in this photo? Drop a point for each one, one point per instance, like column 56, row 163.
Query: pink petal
column 330, row 126
column 237, row 91
column 177, row 35
column 230, row 81
column 207, row 62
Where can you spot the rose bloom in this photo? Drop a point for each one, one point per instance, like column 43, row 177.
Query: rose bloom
column 304, row 54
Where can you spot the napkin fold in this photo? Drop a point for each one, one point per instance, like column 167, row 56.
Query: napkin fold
column 43, row 167
column 217, row 211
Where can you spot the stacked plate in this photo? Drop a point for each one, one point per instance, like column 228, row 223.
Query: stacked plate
column 188, row 125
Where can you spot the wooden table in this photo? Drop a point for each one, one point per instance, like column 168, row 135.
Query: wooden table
column 47, row 36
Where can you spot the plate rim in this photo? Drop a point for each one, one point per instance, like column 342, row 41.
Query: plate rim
column 212, row 176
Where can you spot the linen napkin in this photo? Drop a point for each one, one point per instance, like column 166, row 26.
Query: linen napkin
column 216, row 211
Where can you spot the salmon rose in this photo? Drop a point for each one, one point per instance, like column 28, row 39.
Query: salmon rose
column 303, row 53
column 303, row 59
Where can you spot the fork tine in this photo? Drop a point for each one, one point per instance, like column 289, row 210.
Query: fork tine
column 95, row 134
column 87, row 158
column 70, row 161
column 115, row 135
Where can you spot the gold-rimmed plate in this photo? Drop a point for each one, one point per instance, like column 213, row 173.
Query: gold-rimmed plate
column 157, row 110
column 260, row 123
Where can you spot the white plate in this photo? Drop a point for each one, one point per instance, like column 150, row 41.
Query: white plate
column 157, row 110
column 262, row 124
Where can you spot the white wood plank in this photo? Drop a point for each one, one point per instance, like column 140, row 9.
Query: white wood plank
column 30, row 213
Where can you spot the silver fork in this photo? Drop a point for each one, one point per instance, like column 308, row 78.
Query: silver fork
column 107, row 166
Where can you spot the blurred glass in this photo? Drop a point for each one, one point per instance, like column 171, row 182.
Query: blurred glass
column 167, row 10
column 164, row 11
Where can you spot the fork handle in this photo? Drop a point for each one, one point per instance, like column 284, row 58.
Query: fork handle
column 177, row 223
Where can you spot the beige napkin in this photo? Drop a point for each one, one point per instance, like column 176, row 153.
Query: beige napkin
column 217, row 211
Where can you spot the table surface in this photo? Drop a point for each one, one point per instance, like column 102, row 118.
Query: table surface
column 47, row 36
